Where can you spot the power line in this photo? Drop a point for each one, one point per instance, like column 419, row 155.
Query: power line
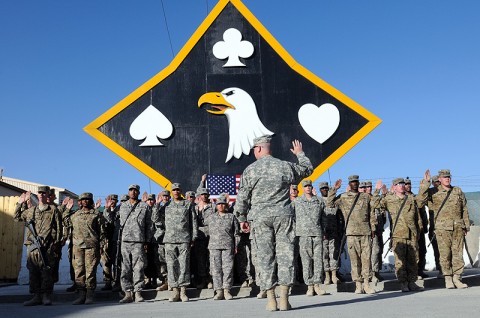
column 168, row 31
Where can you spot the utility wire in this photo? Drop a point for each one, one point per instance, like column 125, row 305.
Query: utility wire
column 168, row 31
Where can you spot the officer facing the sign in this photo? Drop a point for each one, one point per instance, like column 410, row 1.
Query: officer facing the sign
column 451, row 222
column 264, row 194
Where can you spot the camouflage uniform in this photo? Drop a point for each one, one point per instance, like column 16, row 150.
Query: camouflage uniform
column 264, row 195
column 137, row 231
column 200, row 249
column 451, row 223
column 244, row 267
column 331, row 237
column 160, row 260
column 67, row 235
column 108, row 252
column 224, row 230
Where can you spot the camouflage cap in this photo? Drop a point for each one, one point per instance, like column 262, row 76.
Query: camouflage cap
column 362, row 184
column 222, row 200
column 444, row 173
column 353, row 177
column 151, row 196
column 134, row 186
column 368, row 183
column 266, row 139
column 124, row 198
column 51, row 191
column 190, row 194
column 398, row 180
column 86, row 196
column 435, row 179
column 166, row 192
column 45, row 189
column 306, row 183
column 113, row 196
column 176, row 186
column 408, row 181
column 294, row 187
column 323, row 184
column 202, row 191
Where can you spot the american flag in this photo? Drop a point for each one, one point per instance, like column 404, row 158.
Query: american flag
column 218, row 184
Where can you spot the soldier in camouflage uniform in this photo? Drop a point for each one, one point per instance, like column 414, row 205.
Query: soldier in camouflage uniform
column 331, row 228
column 67, row 236
column 264, row 194
column 151, row 273
column 108, row 252
column 360, row 226
column 224, row 229
column 244, row 267
column 405, row 230
column 377, row 240
column 160, row 261
column 308, row 216
column 88, row 233
column 178, row 217
column 451, row 224
column 190, row 196
column 431, row 232
column 137, row 229
column 47, row 221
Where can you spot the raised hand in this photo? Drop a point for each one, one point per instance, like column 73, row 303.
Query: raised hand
column 21, row 199
column 426, row 176
column 384, row 189
column 69, row 204
column 159, row 198
column 204, row 178
column 314, row 191
column 378, row 185
column 297, row 147
column 98, row 203
column 65, row 201
column 338, row 184
column 144, row 196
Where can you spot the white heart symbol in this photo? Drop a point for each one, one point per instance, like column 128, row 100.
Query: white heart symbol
column 320, row 123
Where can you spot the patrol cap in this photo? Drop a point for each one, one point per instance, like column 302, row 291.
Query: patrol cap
column 51, row 191
column 176, row 186
column 306, row 183
column 353, row 177
column 113, row 197
column 45, row 189
column 408, row 181
column 398, row 180
column 266, row 139
column 124, row 198
column 134, row 186
column 368, row 183
column 435, row 178
column 203, row 191
column 444, row 173
column 362, row 184
column 151, row 196
column 294, row 187
column 222, row 200
column 86, row 195
column 190, row 194
column 323, row 184
column 166, row 192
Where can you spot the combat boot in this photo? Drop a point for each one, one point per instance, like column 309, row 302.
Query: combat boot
column 47, row 299
column 271, row 300
column 162, row 287
column 404, row 287
column 138, row 297
column 328, row 279
column 334, row 277
column 458, row 283
column 89, row 296
column 310, row 290
column 244, row 284
column 414, row 287
column 218, row 294
column 82, row 294
column 368, row 289
column 358, row 288
column 108, row 286
column 283, row 303
column 127, row 299
column 183, row 294
column 262, row 294
column 175, row 295
column 318, row 290
column 227, row 294
column 72, row 288
column 449, row 282
column 36, row 300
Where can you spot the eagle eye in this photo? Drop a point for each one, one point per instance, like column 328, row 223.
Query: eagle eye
column 230, row 92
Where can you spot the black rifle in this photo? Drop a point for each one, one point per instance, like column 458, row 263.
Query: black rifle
column 395, row 225
column 438, row 213
column 30, row 225
column 344, row 237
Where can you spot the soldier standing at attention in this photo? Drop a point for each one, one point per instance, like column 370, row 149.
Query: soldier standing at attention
column 359, row 228
column 264, row 194
column 224, row 230
column 178, row 217
column 88, row 233
column 405, row 230
column 107, row 254
column 46, row 220
column 451, row 222
column 308, row 215
column 137, row 228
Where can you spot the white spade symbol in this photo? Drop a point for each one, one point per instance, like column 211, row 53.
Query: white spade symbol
column 320, row 123
column 150, row 125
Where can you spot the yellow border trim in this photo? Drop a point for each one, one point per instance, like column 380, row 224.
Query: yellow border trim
column 93, row 127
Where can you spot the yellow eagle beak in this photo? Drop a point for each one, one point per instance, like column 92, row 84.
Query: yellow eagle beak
column 218, row 102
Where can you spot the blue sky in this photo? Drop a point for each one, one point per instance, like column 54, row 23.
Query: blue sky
column 414, row 64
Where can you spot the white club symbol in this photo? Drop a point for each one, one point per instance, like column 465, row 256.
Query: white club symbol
column 232, row 47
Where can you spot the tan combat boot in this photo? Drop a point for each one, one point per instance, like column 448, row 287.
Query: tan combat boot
column 271, row 299
column 89, row 296
column 36, row 300
column 218, row 294
column 244, row 284
column 262, row 294
column 47, row 299
column 328, row 279
column 404, row 287
column 175, row 295
column 334, row 277
column 318, row 290
column 310, row 290
column 458, row 283
column 127, row 299
column 138, row 297
column 449, row 282
column 414, row 287
column 283, row 303
column 368, row 289
column 358, row 288
column 183, row 294
column 82, row 294
column 227, row 294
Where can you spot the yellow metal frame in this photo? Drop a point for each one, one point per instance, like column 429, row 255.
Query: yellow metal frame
column 93, row 127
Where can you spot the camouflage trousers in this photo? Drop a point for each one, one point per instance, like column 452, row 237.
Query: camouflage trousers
column 200, row 251
column 221, row 265
column 377, row 250
column 422, row 253
column 133, row 265
column 178, row 264
column 161, row 262
column 254, row 257
column 330, row 254
column 311, row 253
column 274, row 239
column 41, row 279
column 85, row 262
column 244, row 261
column 406, row 259
column 450, row 246
column 107, row 259
column 359, row 250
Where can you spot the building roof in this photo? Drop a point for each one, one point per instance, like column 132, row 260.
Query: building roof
column 33, row 186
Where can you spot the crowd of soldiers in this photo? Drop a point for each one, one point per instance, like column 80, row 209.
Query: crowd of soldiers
column 270, row 236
